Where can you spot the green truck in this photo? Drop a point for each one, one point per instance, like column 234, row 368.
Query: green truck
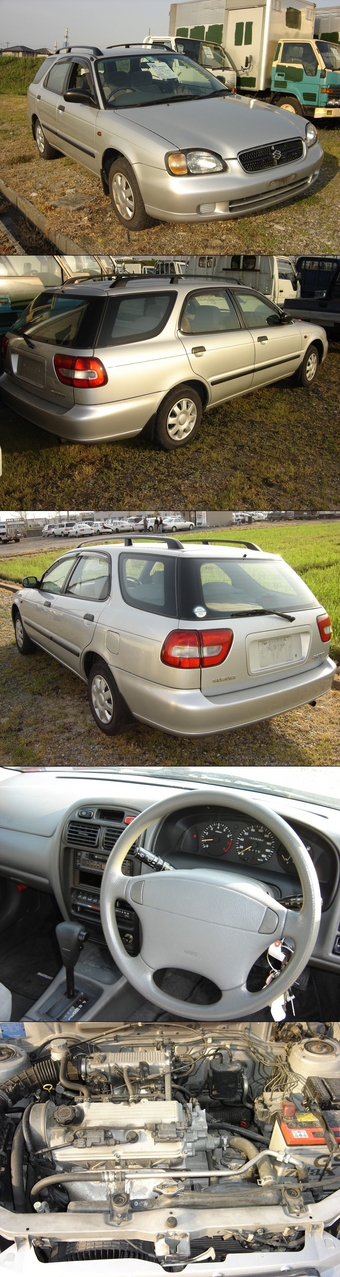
column 273, row 47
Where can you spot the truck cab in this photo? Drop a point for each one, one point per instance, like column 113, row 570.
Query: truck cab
column 305, row 77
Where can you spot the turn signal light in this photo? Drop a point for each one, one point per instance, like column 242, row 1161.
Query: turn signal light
column 196, row 649
column 325, row 628
column 86, row 373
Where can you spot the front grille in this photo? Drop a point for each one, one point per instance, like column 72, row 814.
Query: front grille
column 263, row 157
column 81, row 834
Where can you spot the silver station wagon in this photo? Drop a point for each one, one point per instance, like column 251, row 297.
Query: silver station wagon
column 107, row 359
column 168, row 140
column 192, row 638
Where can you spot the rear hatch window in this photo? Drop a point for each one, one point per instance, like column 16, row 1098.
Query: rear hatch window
column 223, row 588
column 59, row 320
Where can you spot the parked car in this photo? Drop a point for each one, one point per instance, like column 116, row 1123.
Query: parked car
column 68, row 360
column 168, row 141
column 192, row 638
column 207, row 53
column 177, row 525
column 80, row 530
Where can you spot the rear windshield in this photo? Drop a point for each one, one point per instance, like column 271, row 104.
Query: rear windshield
column 221, row 588
column 147, row 582
column 61, row 320
column 135, row 318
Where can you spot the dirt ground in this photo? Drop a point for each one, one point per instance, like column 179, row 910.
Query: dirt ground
column 73, row 202
column 46, row 720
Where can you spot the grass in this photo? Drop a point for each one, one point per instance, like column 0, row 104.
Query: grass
column 313, row 550
column 17, row 73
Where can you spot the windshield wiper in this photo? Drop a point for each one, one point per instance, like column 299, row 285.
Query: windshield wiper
column 23, row 334
column 264, row 611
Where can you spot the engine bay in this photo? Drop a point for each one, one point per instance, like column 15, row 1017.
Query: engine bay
column 169, row 1143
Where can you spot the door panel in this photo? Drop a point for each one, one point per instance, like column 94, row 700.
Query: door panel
column 218, row 348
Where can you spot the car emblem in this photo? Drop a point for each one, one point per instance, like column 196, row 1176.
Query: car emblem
column 276, row 154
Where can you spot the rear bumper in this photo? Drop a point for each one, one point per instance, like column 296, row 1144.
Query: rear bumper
column 189, row 713
column 81, row 423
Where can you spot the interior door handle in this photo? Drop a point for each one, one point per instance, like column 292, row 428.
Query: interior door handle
column 47, row 605
column 88, row 616
column 61, row 108
column 262, row 338
column 198, row 350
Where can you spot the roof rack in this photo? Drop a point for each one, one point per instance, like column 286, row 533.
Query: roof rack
column 250, row 545
column 131, row 275
column 129, row 538
column 82, row 48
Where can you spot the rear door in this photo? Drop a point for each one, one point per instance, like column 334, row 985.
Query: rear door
column 218, row 347
column 277, row 345
column 47, row 98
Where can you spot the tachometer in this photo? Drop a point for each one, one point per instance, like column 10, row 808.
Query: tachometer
column 255, row 844
column 216, row 839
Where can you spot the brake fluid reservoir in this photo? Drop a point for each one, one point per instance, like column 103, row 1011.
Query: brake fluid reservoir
column 13, row 1059
column 315, row 1057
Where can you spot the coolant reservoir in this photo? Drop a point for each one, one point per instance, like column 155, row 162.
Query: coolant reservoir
column 13, row 1059
column 315, row 1057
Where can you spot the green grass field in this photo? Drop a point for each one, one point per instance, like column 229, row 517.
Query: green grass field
column 17, row 73
column 312, row 549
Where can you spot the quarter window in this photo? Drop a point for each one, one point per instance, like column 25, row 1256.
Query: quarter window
column 135, row 318
column 54, row 579
column 209, row 312
column 148, row 583
column 91, row 578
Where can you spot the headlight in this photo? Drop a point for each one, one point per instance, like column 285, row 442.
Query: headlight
column 310, row 134
column 183, row 162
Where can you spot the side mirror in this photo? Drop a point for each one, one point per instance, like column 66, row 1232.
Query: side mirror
column 76, row 95
column 31, row 582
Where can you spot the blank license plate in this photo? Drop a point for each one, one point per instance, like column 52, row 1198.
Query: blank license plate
column 266, row 653
column 32, row 370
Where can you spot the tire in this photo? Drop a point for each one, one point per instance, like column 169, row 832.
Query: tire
column 23, row 642
column 290, row 104
column 126, row 197
column 170, row 431
column 309, row 367
column 46, row 151
column 101, row 684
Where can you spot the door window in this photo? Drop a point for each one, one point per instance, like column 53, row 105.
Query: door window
column 91, row 578
column 57, row 77
column 302, row 54
column 256, row 312
column 81, row 79
column 209, row 312
column 54, row 579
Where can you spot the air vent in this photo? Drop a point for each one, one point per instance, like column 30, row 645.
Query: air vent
column 110, row 836
column 82, row 835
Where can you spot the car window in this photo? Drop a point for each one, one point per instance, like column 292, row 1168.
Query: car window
column 148, row 582
column 81, row 78
column 255, row 310
column 223, row 587
column 91, row 578
column 56, row 79
column 135, row 318
column 300, row 55
column 138, row 80
column 213, row 57
column 42, row 69
column 54, row 579
column 208, row 312
column 62, row 320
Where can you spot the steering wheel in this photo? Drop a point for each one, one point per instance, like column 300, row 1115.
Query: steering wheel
column 215, row 923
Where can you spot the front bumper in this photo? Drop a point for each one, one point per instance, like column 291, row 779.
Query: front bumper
column 327, row 112
column 229, row 194
column 189, row 713
column 81, row 423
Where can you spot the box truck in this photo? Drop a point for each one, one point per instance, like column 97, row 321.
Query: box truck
column 272, row 45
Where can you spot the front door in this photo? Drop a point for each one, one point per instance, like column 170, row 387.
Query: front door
column 219, row 349
column 277, row 345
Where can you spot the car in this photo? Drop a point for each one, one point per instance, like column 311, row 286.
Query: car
column 78, row 530
column 188, row 637
column 68, row 360
column 169, row 142
column 133, row 1118
column 177, row 525
column 176, row 890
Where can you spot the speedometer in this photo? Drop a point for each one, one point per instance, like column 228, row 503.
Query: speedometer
column 217, row 839
column 255, row 844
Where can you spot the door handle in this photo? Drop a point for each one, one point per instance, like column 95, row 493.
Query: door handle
column 88, row 616
column 262, row 338
column 198, row 350
column 47, row 605
column 38, row 97
column 61, row 108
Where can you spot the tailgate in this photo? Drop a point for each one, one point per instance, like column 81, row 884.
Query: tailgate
column 263, row 653
column 33, row 368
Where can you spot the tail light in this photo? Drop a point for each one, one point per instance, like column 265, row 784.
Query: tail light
column 74, row 370
column 4, row 345
column 195, row 649
column 324, row 625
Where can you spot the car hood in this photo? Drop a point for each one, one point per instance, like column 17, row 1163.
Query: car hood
column 227, row 125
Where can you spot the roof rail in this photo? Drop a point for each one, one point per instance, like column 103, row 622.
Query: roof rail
column 126, row 278
column 81, row 48
column 129, row 538
column 250, row 545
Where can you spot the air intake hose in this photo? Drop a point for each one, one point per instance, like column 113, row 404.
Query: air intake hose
column 22, row 1084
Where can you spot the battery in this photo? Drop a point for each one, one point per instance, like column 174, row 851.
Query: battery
column 304, row 1133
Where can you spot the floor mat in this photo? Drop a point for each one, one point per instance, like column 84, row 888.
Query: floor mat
column 29, row 953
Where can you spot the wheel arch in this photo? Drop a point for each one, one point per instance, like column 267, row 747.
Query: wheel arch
column 109, row 156
column 90, row 659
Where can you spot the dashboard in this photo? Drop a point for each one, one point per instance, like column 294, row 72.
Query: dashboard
column 57, row 828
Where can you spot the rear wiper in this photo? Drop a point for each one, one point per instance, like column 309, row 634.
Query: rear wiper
column 23, row 334
column 264, row 611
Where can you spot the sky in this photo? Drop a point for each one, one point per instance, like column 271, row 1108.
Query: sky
column 43, row 22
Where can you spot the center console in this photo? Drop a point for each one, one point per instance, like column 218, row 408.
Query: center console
column 88, row 838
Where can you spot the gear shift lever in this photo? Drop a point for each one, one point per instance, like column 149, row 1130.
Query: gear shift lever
column 71, row 938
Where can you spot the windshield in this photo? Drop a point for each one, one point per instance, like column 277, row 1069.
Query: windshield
column 147, row 78
column 316, row 785
column 226, row 588
column 330, row 54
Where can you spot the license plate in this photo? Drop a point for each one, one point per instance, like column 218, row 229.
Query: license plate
column 32, row 370
column 282, row 181
column 267, row 653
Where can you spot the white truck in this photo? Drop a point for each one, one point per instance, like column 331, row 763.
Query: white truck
column 272, row 44
column 276, row 277
column 8, row 533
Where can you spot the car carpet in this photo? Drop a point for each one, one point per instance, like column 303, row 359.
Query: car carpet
column 29, row 953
